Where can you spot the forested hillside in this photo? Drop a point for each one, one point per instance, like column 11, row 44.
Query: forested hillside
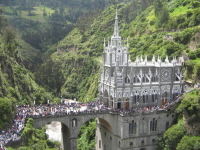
column 43, row 23
column 17, row 84
column 146, row 27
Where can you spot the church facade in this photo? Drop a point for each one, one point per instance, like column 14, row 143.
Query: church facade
column 142, row 83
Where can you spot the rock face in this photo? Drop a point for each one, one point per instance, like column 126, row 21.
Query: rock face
column 194, row 43
column 191, row 124
column 53, row 131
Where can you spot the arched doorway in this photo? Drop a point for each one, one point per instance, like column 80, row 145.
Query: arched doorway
column 111, row 102
column 127, row 104
column 164, row 98
column 119, row 104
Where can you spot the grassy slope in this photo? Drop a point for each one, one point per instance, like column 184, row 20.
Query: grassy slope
column 37, row 11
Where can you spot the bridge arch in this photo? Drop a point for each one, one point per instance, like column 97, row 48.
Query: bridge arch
column 62, row 130
column 72, row 123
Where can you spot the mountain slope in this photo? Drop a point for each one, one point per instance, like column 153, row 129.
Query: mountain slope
column 17, row 84
column 79, row 53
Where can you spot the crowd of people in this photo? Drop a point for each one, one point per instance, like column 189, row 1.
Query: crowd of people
column 26, row 111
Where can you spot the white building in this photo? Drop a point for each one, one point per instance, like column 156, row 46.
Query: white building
column 143, row 83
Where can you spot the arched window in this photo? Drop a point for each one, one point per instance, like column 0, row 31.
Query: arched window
column 74, row 122
column 153, row 141
column 142, row 127
column 164, row 97
column 165, row 94
column 131, row 144
column 127, row 80
column 143, row 79
column 132, row 127
column 154, row 96
column 142, row 142
column 136, row 97
column 134, row 79
column 153, row 125
column 145, row 97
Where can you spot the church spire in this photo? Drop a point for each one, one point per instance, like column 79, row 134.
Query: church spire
column 116, row 28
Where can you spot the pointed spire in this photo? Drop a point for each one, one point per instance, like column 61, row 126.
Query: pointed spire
column 137, row 59
column 167, row 59
column 145, row 60
column 141, row 59
column 129, row 59
column 127, row 43
column 104, row 43
column 116, row 28
column 158, row 59
column 153, row 59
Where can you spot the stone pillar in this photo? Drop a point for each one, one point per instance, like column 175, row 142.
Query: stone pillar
column 73, row 143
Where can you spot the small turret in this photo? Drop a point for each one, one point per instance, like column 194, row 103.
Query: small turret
column 153, row 59
column 145, row 60
column 141, row 59
column 166, row 59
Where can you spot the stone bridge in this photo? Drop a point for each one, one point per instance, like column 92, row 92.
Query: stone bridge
column 72, row 123
column 117, row 127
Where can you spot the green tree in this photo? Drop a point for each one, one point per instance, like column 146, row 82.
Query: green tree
column 189, row 143
column 174, row 134
column 6, row 112
column 87, row 136
column 161, row 12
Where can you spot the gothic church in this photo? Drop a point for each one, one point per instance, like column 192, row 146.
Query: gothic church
column 126, row 84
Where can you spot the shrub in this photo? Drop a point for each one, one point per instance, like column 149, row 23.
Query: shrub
column 198, row 52
column 189, row 142
column 173, row 135
column 192, row 55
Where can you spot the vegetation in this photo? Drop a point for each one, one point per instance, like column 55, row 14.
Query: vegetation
column 172, row 136
column 6, row 112
column 36, row 138
column 179, row 136
column 17, row 84
column 86, row 140
column 190, row 106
